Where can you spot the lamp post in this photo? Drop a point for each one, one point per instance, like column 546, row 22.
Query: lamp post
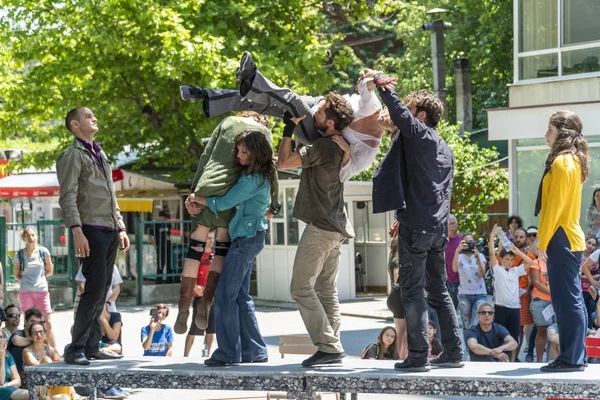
column 437, row 27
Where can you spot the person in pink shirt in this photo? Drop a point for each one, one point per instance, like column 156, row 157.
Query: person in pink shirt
column 454, row 239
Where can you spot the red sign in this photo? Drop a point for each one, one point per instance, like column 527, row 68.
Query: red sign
column 30, row 192
column 117, row 175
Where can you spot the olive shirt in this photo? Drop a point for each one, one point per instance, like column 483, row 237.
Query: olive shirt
column 320, row 198
column 218, row 172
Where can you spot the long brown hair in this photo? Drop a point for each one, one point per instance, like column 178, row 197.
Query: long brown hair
column 261, row 156
column 391, row 352
column 569, row 140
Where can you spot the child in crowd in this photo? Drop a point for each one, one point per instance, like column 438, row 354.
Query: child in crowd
column 384, row 349
column 506, row 285
column 590, row 274
column 435, row 347
column 157, row 338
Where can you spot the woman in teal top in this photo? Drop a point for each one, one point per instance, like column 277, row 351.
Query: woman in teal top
column 10, row 381
column 238, row 334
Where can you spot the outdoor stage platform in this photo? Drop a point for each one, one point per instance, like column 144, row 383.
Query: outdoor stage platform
column 353, row 376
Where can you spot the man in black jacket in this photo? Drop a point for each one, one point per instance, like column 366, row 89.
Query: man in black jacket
column 415, row 178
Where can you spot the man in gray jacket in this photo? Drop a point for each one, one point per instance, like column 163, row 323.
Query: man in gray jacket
column 89, row 208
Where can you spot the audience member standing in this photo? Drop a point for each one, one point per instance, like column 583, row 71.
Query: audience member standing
column 593, row 215
column 540, row 303
column 32, row 265
column 454, row 239
column 506, row 285
column 513, row 223
column 89, row 208
column 561, row 239
column 469, row 263
column 394, row 300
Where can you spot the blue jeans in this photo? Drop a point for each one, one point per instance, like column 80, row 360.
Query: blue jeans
column 238, row 334
column 469, row 303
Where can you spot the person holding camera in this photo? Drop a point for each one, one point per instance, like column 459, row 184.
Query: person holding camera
column 157, row 338
column 506, row 285
column 470, row 265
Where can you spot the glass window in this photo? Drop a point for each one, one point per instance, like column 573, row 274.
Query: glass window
column 377, row 228
column 538, row 25
column 280, row 215
column 292, row 223
column 580, row 61
column 580, row 21
column 542, row 66
column 278, row 233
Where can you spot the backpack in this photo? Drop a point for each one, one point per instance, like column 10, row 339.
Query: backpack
column 21, row 257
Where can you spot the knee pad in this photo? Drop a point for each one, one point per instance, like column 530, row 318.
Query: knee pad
column 194, row 254
column 222, row 248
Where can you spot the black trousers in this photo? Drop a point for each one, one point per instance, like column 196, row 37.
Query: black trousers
column 423, row 268
column 97, row 270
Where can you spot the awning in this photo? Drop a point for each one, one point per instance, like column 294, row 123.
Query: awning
column 29, row 185
column 136, row 205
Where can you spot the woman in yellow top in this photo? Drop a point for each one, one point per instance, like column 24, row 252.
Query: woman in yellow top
column 561, row 239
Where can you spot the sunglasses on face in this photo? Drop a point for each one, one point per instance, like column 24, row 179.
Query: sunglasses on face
column 14, row 315
column 486, row 312
column 532, row 235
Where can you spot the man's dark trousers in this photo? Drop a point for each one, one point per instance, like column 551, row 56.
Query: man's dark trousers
column 423, row 267
column 97, row 270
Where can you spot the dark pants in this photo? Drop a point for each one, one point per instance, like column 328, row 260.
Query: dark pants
column 423, row 267
column 510, row 318
column 590, row 307
column 567, row 299
column 97, row 270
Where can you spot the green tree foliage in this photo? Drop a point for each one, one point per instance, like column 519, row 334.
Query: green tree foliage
column 125, row 59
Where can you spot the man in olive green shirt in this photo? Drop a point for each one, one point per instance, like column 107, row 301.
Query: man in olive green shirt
column 217, row 173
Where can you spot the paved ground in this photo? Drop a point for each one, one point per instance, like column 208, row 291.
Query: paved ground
column 357, row 333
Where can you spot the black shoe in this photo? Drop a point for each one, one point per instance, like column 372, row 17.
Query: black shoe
column 76, row 359
column 102, row 354
column 413, row 365
column 444, row 360
column 192, row 93
column 562, row 366
column 247, row 68
column 213, row 362
column 320, row 357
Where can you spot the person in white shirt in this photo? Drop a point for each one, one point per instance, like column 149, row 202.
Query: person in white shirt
column 470, row 265
column 506, row 286
column 113, row 290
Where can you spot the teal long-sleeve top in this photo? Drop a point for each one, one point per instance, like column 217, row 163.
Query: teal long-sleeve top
column 250, row 197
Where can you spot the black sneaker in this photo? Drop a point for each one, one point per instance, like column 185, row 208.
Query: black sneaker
column 445, row 360
column 192, row 93
column 247, row 67
column 213, row 362
column 320, row 357
column 562, row 366
column 413, row 365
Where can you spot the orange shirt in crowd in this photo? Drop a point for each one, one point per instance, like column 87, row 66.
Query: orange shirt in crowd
column 543, row 268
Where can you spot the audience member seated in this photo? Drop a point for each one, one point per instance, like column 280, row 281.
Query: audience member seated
column 38, row 353
column 435, row 347
column 385, row 348
column 110, row 326
column 20, row 339
column 13, row 320
column 554, row 340
column 10, row 380
column 157, row 338
column 489, row 341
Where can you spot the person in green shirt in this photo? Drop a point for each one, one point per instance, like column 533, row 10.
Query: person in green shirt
column 217, row 172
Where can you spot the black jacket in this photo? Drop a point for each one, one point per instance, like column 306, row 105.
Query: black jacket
column 415, row 177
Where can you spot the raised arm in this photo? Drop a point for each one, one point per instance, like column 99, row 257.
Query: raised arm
column 492, row 250
column 48, row 264
column 527, row 261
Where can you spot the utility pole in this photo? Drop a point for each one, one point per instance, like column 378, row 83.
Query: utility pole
column 438, row 58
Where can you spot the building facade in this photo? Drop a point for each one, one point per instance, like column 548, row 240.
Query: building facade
column 556, row 67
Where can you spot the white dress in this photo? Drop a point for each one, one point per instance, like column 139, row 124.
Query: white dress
column 364, row 104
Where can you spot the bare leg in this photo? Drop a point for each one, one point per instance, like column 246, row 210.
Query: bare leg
column 49, row 330
column 189, row 342
column 540, row 343
column 402, row 341
column 210, row 337
column 190, row 267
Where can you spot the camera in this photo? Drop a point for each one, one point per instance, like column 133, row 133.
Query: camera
column 3, row 316
column 470, row 246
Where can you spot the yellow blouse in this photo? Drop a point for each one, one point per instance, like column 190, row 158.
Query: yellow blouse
column 561, row 203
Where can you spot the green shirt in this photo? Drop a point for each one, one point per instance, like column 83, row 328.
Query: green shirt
column 217, row 171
